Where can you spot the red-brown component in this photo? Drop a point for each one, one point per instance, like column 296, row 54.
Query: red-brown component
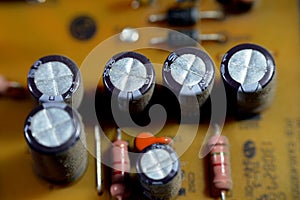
column 146, row 139
column 219, row 159
column 12, row 89
column 120, row 168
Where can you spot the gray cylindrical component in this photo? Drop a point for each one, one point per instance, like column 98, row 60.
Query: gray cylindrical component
column 189, row 72
column 248, row 72
column 54, row 133
column 55, row 78
column 159, row 172
column 130, row 78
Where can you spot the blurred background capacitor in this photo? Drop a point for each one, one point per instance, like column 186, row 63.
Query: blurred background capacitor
column 189, row 72
column 159, row 173
column 248, row 72
column 54, row 133
column 130, row 78
column 185, row 16
column 237, row 6
column 55, row 78
column 188, row 37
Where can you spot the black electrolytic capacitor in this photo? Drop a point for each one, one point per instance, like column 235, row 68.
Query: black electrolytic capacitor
column 130, row 78
column 187, row 37
column 183, row 17
column 159, row 173
column 248, row 72
column 55, row 78
column 189, row 72
column 237, row 6
column 186, row 16
column 54, row 133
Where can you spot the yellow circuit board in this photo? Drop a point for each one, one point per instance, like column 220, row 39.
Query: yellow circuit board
column 265, row 151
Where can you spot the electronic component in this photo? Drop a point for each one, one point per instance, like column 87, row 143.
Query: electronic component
column 55, row 136
column 27, row 1
column 185, row 16
column 120, row 168
column 83, row 27
column 182, row 38
column 129, row 35
column 99, row 181
column 189, row 72
column 12, row 89
column 248, row 72
column 55, row 78
column 146, row 139
column 130, row 78
column 220, row 163
column 159, row 172
column 237, row 6
column 138, row 3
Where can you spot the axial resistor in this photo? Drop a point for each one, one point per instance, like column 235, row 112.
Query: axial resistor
column 120, row 168
column 220, row 163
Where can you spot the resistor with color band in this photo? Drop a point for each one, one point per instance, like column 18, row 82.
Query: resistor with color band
column 220, row 163
column 120, row 168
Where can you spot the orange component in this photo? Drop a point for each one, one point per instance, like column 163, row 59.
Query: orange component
column 146, row 139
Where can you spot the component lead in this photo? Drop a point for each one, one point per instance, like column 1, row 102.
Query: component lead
column 98, row 161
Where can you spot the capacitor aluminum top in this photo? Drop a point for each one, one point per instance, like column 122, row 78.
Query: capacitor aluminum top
column 55, row 78
column 248, row 71
column 189, row 72
column 159, row 172
column 55, row 136
column 130, row 77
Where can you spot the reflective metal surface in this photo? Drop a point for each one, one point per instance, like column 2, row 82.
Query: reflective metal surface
column 128, row 74
column 188, row 70
column 53, row 78
column 52, row 127
column 247, row 66
column 157, row 164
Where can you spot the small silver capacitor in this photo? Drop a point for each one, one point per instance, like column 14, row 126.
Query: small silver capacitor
column 248, row 73
column 159, row 173
column 55, row 78
column 130, row 78
column 54, row 133
column 189, row 72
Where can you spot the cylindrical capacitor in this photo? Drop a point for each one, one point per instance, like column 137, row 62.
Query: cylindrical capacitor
column 55, row 78
column 188, row 37
column 183, row 16
column 189, row 72
column 237, row 6
column 130, row 77
column 220, row 163
column 159, row 172
column 55, row 136
column 120, row 168
column 248, row 72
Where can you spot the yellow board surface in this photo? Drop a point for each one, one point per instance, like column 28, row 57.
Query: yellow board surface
column 30, row 31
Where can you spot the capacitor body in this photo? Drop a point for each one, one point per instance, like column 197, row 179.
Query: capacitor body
column 189, row 73
column 55, row 78
column 249, row 75
column 183, row 38
column 182, row 16
column 129, row 78
column 120, row 169
column 220, row 163
column 159, row 172
column 237, row 6
column 64, row 160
